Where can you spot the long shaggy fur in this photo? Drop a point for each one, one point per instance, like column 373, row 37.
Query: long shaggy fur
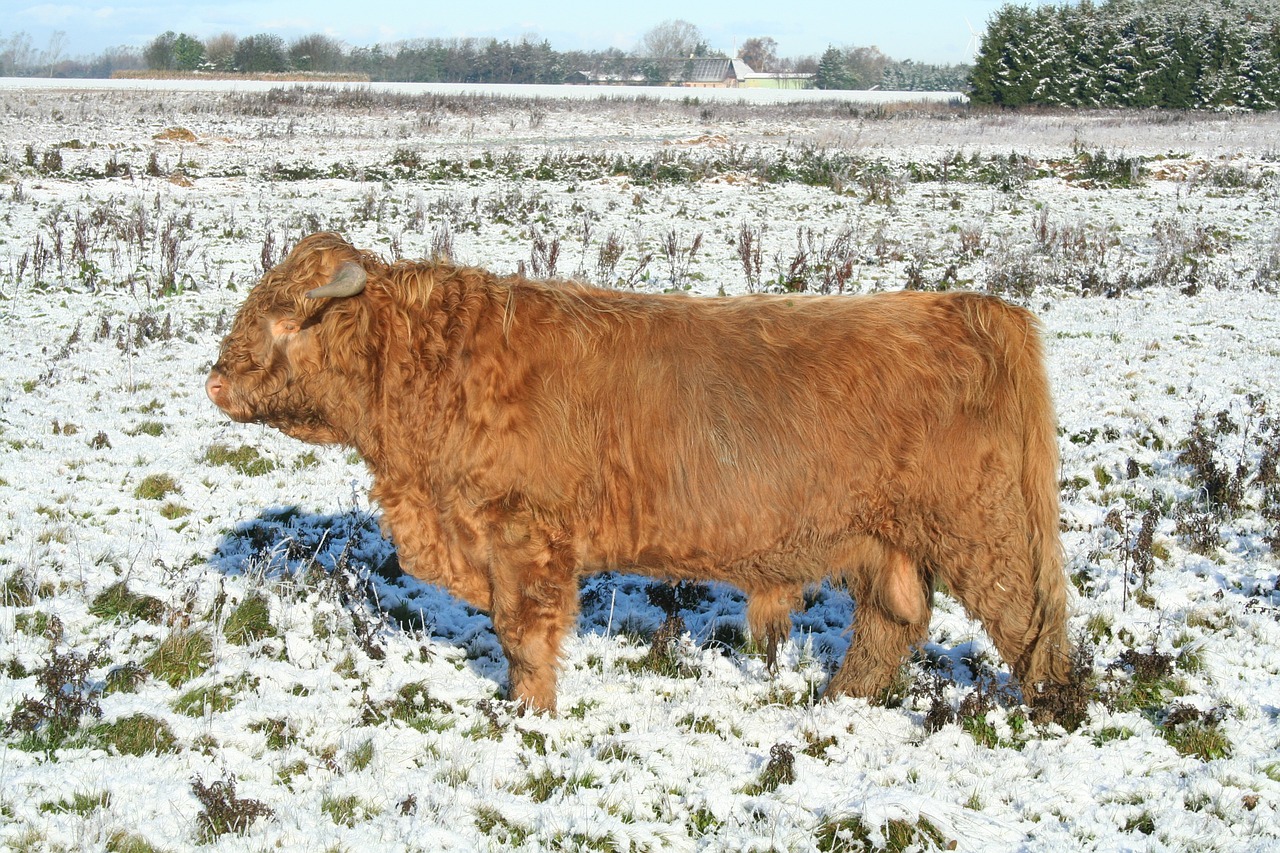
column 524, row 433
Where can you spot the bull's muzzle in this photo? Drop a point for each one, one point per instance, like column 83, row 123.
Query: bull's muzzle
column 214, row 386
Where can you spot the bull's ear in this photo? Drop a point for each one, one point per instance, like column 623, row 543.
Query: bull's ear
column 347, row 281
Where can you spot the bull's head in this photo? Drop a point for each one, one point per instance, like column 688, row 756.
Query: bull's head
column 293, row 357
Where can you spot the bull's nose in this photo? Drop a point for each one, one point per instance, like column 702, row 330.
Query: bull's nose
column 213, row 386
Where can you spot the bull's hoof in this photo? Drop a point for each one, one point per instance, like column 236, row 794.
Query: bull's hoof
column 525, row 704
column 887, row 690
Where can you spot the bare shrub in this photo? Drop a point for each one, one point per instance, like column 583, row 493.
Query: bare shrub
column 680, row 256
column 222, row 811
column 1135, row 544
column 1184, row 252
column 793, row 274
column 544, row 255
column 442, row 243
column 607, row 257
column 750, row 251
column 837, row 258
column 640, row 271
column 48, row 720
column 1267, row 276
column 175, row 251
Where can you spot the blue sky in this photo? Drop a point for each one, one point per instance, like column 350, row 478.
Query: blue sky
column 923, row 30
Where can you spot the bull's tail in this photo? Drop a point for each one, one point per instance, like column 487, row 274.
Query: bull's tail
column 1027, row 410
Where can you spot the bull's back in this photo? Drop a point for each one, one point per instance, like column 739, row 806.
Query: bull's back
column 675, row 428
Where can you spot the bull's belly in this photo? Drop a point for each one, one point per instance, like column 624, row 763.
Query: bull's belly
column 757, row 570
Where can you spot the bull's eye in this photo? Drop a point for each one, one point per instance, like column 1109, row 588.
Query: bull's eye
column 285, row 326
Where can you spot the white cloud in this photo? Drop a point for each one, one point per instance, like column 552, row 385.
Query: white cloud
column 50, row 14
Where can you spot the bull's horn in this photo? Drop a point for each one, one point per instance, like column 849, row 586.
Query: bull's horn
column 347, row 281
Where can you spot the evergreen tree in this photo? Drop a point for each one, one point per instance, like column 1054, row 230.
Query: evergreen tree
column 188, row 53
column 1132, row 53
column 995, row 64
column 832, row 73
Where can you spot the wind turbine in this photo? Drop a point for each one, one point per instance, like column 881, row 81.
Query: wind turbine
column 975, row 41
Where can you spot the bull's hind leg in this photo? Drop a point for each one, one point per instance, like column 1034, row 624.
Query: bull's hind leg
column 769, row 617
column 535, row 601
column 993, row 573
column 892, row 609
column 997, row 589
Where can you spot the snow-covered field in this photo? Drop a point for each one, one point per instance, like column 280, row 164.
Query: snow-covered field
column 204, row 642
column 511, row 90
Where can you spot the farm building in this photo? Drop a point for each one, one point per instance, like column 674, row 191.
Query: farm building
column 701, row 73
column 733, row 73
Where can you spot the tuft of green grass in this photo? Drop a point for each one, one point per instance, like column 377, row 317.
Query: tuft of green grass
column 702, row 821
column 125, row 679
column 18, row 590
column 1152, row 682
column 151, row 428
column 216, row 698
column 250, row 621
column 780, row 770
column 1097, row 626
column 414, row 706
column 34, row 624
column 617, row 752
column 848, row 834
column 546, row 783
column 665, row 657
column 116, row 601
column 536, row 742
column 124, row 842
column 173, row 510
column 137, row 734
column 81, row 804
column 181, row 657
column 290, row 771
column 360, row 757
column 816, row 745
column 347, row 811
column 280, row 735
column 1143, row 823
column 1196, row 733
column 156, row 487
column 494, row 824
column 244, row 459
column 1112, row 733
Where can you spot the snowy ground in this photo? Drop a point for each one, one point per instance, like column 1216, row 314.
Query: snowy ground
column 513, row 90
column 191, row 605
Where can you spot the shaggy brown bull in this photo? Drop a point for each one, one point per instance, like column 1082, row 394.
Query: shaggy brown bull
column 523, row 433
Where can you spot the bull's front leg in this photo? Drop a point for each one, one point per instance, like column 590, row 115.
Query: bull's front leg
column 535, row 602
column 769, row 618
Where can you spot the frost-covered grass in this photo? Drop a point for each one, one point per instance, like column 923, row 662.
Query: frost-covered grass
column 204, row 641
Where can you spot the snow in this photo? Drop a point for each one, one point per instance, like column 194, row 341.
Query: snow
column 636, row 760
column 510, row 90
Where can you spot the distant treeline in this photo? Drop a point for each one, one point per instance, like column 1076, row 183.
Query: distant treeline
column 467, row 60
column 1178, row 54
